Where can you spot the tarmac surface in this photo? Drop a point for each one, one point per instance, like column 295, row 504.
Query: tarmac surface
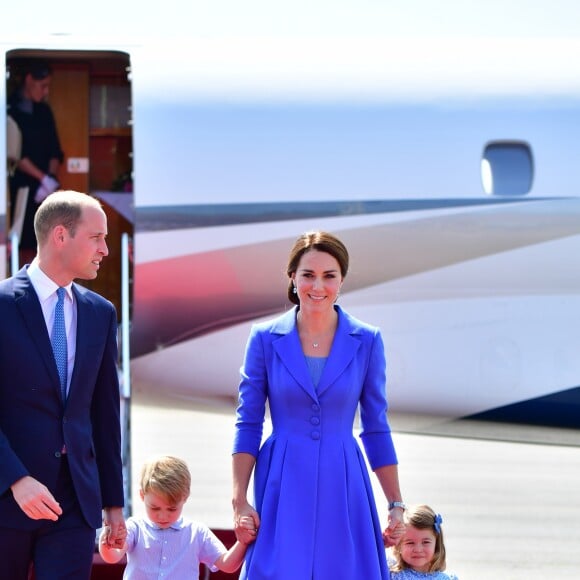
column 510, row 504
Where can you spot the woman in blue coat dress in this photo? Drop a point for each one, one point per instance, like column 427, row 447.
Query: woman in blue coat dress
column 314, row 366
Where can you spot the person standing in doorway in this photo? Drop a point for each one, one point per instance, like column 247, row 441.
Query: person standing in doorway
column 41, row 155
column 60, row 436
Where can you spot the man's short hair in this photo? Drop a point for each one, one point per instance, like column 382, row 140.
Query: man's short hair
column 61, row 208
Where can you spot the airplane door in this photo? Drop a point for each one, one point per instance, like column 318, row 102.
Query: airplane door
column 90, row 97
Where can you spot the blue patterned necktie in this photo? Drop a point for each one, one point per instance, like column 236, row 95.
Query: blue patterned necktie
column 58, row 340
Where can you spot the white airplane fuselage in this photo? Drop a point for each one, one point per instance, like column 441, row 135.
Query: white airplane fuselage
column 477, row 295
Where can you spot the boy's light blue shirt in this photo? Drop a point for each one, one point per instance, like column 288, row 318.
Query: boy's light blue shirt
column 173, row 553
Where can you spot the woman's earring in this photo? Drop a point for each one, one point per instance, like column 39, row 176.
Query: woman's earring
column 294, row 290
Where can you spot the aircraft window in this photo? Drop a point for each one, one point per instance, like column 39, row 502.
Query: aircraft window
column 507, row 168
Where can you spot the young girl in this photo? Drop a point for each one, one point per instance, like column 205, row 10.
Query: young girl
column 421, row 551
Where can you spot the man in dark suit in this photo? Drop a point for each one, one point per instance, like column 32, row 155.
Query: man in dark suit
column 60, row 441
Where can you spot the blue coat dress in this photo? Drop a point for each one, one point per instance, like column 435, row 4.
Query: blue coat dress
column 311, row 484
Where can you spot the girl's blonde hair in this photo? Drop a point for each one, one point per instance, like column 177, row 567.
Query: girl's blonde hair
column 423, row 517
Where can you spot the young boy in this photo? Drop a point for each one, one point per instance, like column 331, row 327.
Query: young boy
column 163, row 544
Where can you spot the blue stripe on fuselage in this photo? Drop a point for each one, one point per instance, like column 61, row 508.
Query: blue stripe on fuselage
column 162, row 218
column 561, row 409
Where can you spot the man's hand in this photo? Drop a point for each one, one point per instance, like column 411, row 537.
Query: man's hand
column 35, row 500
column 115, row 530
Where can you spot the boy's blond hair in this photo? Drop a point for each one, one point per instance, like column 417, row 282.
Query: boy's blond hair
column 166, row 476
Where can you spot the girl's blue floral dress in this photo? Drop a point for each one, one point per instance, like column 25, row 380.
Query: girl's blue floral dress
column 409, row 574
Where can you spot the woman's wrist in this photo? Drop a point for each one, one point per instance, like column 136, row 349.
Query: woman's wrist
column 238, row 502
column 397, row 505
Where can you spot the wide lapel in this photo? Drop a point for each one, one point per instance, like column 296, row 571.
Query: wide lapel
column 288, row 348
column 28, row 304
column 344, row 348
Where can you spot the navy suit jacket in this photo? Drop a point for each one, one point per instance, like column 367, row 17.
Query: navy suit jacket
column 34, row 422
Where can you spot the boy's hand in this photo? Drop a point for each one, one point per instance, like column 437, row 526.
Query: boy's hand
column 246, row 530
column 105, row 539
column 114, row 524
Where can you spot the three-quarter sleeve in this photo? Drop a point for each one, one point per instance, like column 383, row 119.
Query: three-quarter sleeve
column 376, row 432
